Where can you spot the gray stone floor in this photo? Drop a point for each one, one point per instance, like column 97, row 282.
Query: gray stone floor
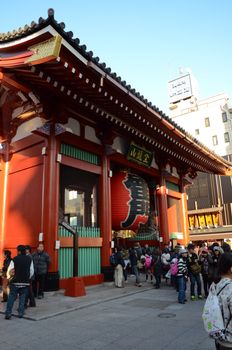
column 109, row 318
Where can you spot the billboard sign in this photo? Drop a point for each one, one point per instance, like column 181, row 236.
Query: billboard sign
column 180, row 88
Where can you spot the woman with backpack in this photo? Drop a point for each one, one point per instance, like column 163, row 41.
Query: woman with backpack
column 223, row 291
column 194, row 270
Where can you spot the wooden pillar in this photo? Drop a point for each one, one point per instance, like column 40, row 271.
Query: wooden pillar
column 105, row 216
column 184, row 212
column 185, row 223
column 50, row 205
column 3, row 198
column 163, row 210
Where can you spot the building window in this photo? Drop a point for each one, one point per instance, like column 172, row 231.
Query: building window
column 197, row 131
column 215, row 140
column 224, row 117
column 207, row 123
column 227, row 137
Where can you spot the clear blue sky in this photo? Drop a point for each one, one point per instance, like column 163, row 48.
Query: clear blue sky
column 145, row 41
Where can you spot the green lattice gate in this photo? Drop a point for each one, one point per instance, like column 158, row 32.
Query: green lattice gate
column 89, row 258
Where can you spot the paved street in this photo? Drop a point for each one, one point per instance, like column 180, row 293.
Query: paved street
column 109, row 318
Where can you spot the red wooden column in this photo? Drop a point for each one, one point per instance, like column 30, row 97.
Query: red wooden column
column 163, row 210
column 184, row 208
column 50, row 207
column 105, row 217
column 3, row 198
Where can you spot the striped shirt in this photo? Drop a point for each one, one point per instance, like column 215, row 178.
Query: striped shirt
column 182, row 267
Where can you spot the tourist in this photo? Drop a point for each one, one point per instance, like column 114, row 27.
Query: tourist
column 146, row 250
column 148, row 267
column 41, row 262
column 204, row 263
column 125, row 255
column 19, row 272
column 157, row 267
column 194, row 270
column 182, row 275
column 30, row 296
column 213, row 259
column 5, row 281
column 224, row 292
column 134, row 255
column 118, row 271
column 165, row 259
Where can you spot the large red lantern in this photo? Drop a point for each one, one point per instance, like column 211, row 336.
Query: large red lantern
column 130, row 201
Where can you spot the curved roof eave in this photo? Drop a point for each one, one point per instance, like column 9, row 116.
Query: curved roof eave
column 7, row 38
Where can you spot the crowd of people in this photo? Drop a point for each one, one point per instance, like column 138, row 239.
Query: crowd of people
column 198, row 265
column 24, row 277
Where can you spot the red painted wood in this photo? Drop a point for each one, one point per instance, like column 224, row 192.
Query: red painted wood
column 24, row 197
column 163, row 209
column 50, row 201
column 67, row 242
column 80, row 164
column 105, row 212
column 119, row 158
column 185, row 223
column 3, row 183
column 88, row 280
column 27, row 142
column 75, row 287
column 80, row 142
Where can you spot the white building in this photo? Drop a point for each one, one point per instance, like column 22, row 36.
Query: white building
column 210, row 121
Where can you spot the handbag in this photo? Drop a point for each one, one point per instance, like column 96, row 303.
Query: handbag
column 195, row 268
column 139, row 265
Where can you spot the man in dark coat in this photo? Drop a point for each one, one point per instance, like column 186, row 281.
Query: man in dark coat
column 41, row 262
column 19, row 271
column 30, row 295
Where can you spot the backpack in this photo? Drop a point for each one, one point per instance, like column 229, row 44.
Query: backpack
column 113, row 260
column 212, row 315
column 148, row 262
column 174, row 267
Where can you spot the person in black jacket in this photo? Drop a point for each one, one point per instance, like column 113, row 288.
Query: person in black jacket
column 194, row 270
column 134, row 256
column 156, row 265
column 5, row 282
column 41, row 262
column 30, row 296
column 19, row 272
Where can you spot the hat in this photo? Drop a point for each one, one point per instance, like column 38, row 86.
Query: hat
column 217, row 248
column 183, row 251
column 205, row 250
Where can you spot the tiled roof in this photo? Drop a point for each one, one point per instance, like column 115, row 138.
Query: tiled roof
column 82, row 49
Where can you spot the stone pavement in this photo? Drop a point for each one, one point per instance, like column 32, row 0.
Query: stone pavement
column 109, row 318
